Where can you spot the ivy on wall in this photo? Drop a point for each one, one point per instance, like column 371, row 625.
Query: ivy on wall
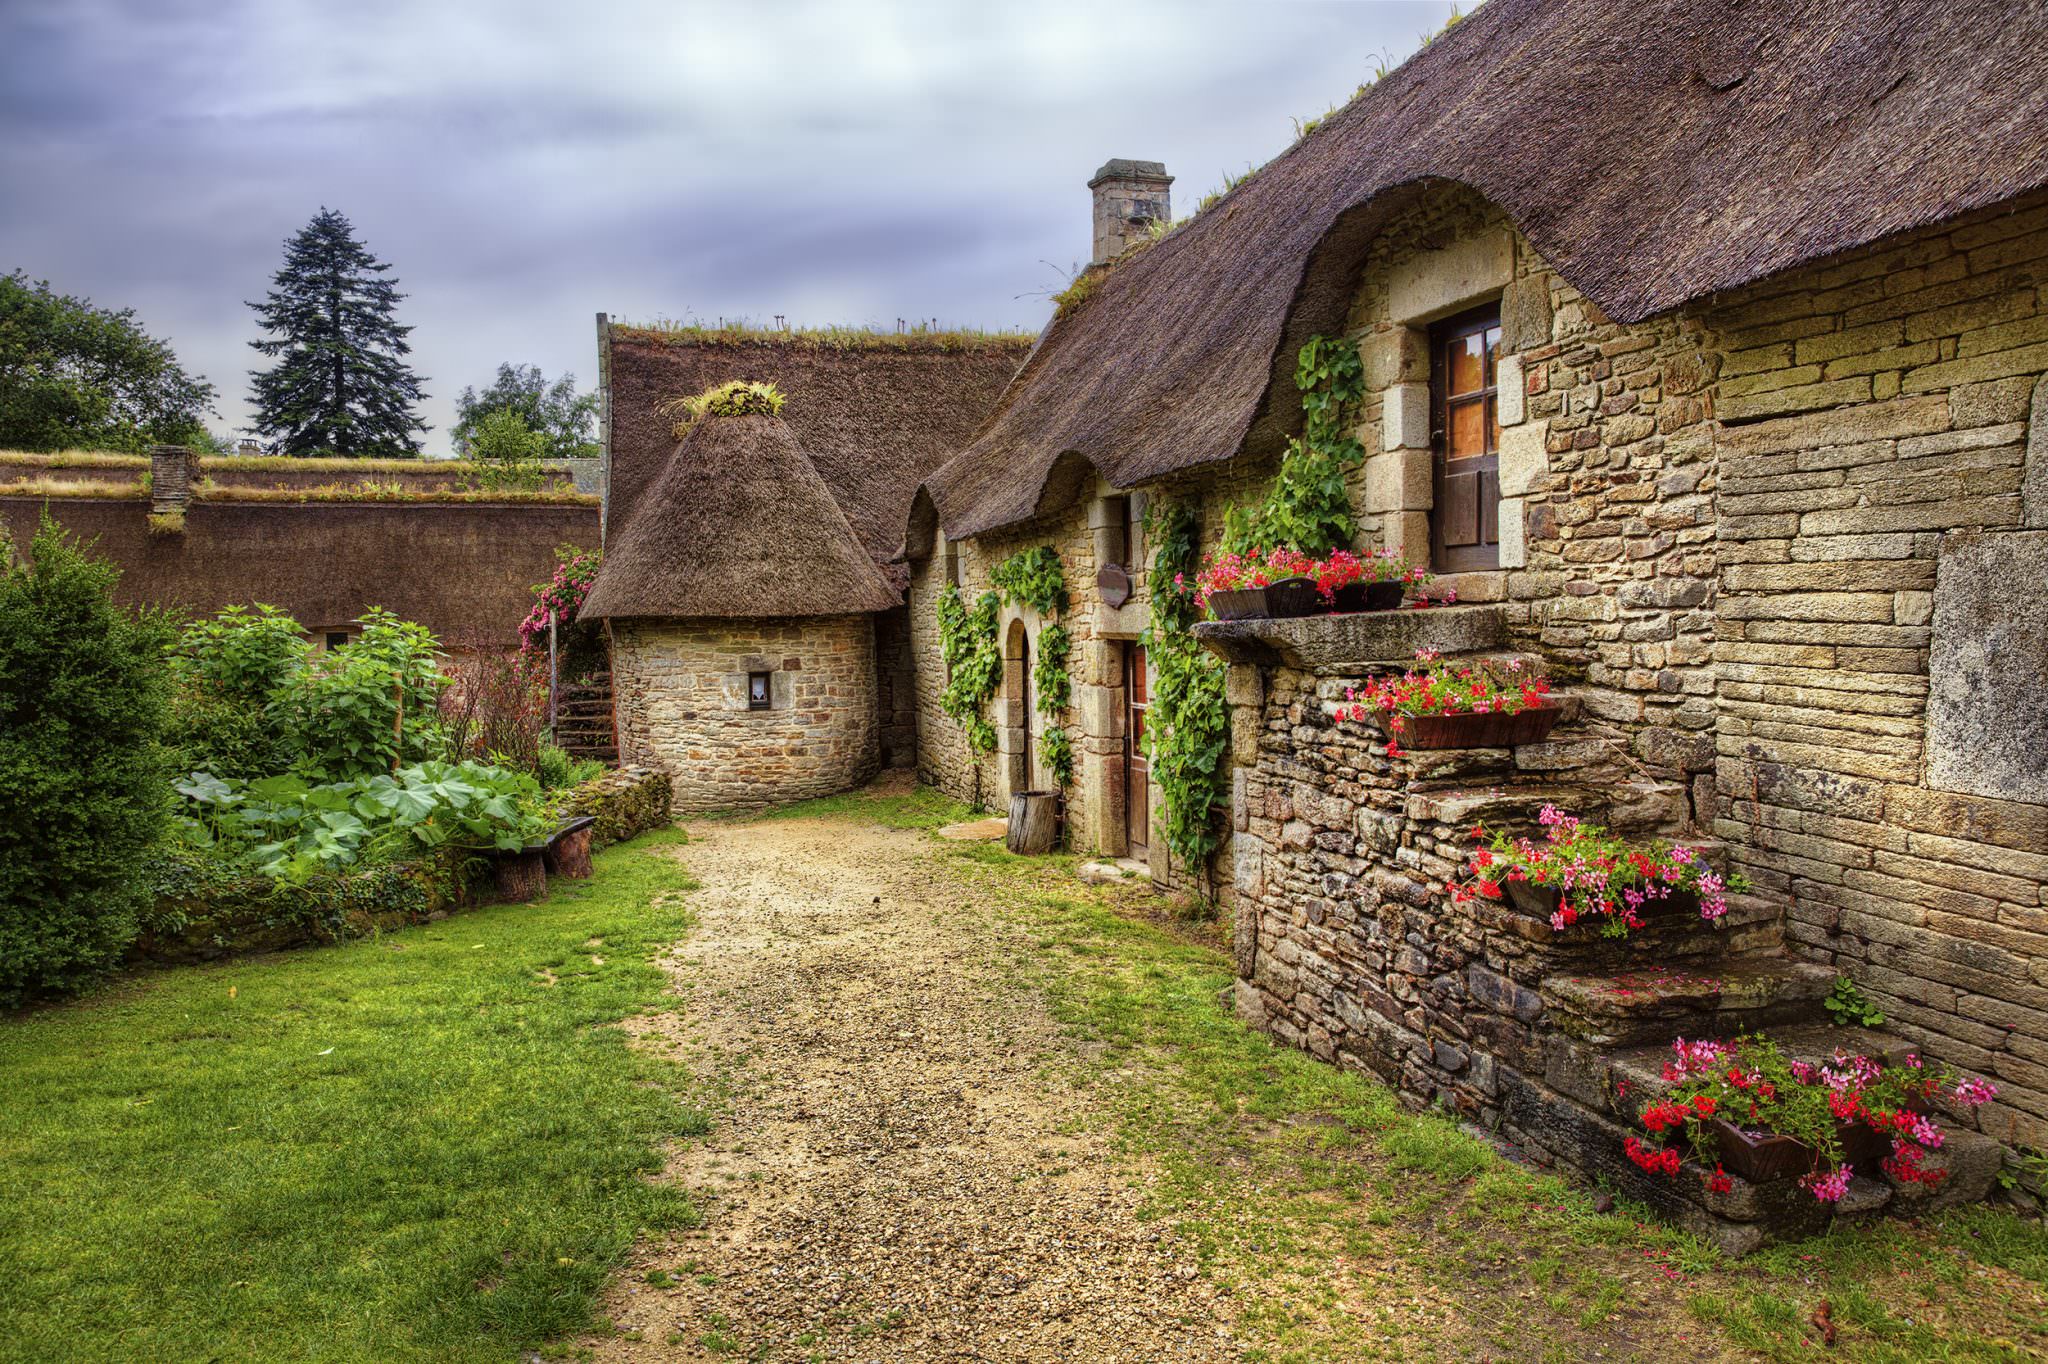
column 1187, row 729
column 1309, row 507
column 1033, row 578
column 974, row 663
column 1051, row 691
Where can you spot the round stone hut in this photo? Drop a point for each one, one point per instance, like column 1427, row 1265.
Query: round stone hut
column 740, row 607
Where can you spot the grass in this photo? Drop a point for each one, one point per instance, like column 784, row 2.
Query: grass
column 920, row 336
column 425, row 1146
column 1346, row 1226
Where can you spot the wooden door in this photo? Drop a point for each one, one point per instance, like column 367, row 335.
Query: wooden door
column 1464, row 528
column 1137, row 772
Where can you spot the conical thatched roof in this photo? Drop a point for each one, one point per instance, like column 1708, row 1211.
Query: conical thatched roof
column 739, row 524
column 1654, row 152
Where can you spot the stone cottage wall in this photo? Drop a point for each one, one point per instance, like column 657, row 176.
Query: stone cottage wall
column 1882, row 632
column 1096, row 714
column 682, row 705
column 1606, row 473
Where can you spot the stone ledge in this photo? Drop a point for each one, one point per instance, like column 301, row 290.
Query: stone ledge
column 1333, row 643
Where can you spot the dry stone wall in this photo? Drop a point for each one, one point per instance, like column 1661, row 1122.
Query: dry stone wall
column 682, row 689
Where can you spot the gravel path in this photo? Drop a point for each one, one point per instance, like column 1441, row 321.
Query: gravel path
column 899, row 1171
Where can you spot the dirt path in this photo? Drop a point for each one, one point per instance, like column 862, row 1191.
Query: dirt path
column 901, row 1172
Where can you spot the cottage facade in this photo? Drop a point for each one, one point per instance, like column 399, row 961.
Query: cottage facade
column 759, row 641
column 1754, row 463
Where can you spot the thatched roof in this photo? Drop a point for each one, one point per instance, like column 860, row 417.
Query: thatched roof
column 875, row 413
column 739, row 523
column 1653, row 152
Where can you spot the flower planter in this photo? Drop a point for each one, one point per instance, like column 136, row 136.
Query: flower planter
column 1543, row 901
column 1293, row 597
column 1762, row 1157
column 1246, row 603
column 1493, row 729
column 1368, row 597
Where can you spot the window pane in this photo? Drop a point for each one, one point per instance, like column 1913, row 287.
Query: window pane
column 1492, row 354
column 1467, row 436
column 1467, row 364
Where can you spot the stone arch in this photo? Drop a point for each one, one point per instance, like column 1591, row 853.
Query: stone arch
column 1016, row 738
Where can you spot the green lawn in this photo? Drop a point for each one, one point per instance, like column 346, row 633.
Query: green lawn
column 1348, row 1227
column 417, row 1147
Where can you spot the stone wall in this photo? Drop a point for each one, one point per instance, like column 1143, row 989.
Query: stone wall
column 1606, row 471
column 682, row 689
column 1882, row 633
column 1348, row 945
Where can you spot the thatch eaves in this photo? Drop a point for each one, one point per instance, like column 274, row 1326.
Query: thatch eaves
column 739, row 524
column 1654, row 153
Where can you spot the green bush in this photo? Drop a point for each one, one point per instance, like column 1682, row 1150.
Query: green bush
column 371, row 705
column 228, row 672
column 82, row 709
column 558, row 771
column 507, row 452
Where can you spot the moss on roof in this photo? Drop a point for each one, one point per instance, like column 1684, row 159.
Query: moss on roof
column 920, row 337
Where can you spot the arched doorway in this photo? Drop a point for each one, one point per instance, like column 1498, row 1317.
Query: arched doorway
column 1017, row 701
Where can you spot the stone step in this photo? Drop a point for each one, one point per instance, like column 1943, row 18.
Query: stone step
column 1751, row 925
column 1654, row 1003
column 1632, row 808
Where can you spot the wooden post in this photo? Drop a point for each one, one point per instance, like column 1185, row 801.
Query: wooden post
column 1034, row 822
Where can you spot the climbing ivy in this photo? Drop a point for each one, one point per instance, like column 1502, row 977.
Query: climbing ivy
column 1033, row 578
column 974, row 665
column 1187, row 729
column 1308, row 507
column 1051, row 690
column 1058, row 753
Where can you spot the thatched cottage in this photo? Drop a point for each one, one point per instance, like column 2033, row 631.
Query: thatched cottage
column 1749, row 308
column 760, row 646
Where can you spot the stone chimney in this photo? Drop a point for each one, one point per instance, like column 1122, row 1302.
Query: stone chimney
column 172, row 471
column 1129, row 197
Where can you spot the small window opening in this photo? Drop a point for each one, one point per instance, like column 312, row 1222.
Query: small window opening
column 757, row 691
column 336, row 638
column 1117, row 544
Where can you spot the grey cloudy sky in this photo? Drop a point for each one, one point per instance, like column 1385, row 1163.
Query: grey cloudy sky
column 526, row 165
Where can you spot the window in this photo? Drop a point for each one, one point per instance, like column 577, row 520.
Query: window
column 1465, row 437
column 758, row 692
column 336, row 638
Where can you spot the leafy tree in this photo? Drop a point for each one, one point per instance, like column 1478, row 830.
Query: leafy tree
column 341, row 385
column 562, row 419
column 72, row 374
column 82, row 694
column 507, row 451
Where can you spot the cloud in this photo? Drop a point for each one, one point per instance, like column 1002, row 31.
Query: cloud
column 524, row 166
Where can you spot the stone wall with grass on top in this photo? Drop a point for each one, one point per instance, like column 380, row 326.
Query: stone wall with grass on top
column 682, row 691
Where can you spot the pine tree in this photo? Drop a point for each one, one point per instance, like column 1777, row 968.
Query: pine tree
column 341, row 385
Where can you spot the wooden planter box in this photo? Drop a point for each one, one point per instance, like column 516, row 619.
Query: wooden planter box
column 1493, row 729
column 1368, row 597
column 1293, row 597
column 1247, row 603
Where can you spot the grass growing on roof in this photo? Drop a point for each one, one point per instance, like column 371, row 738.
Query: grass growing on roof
column 734, row 398
column 918, row 337
column 426, row 1146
